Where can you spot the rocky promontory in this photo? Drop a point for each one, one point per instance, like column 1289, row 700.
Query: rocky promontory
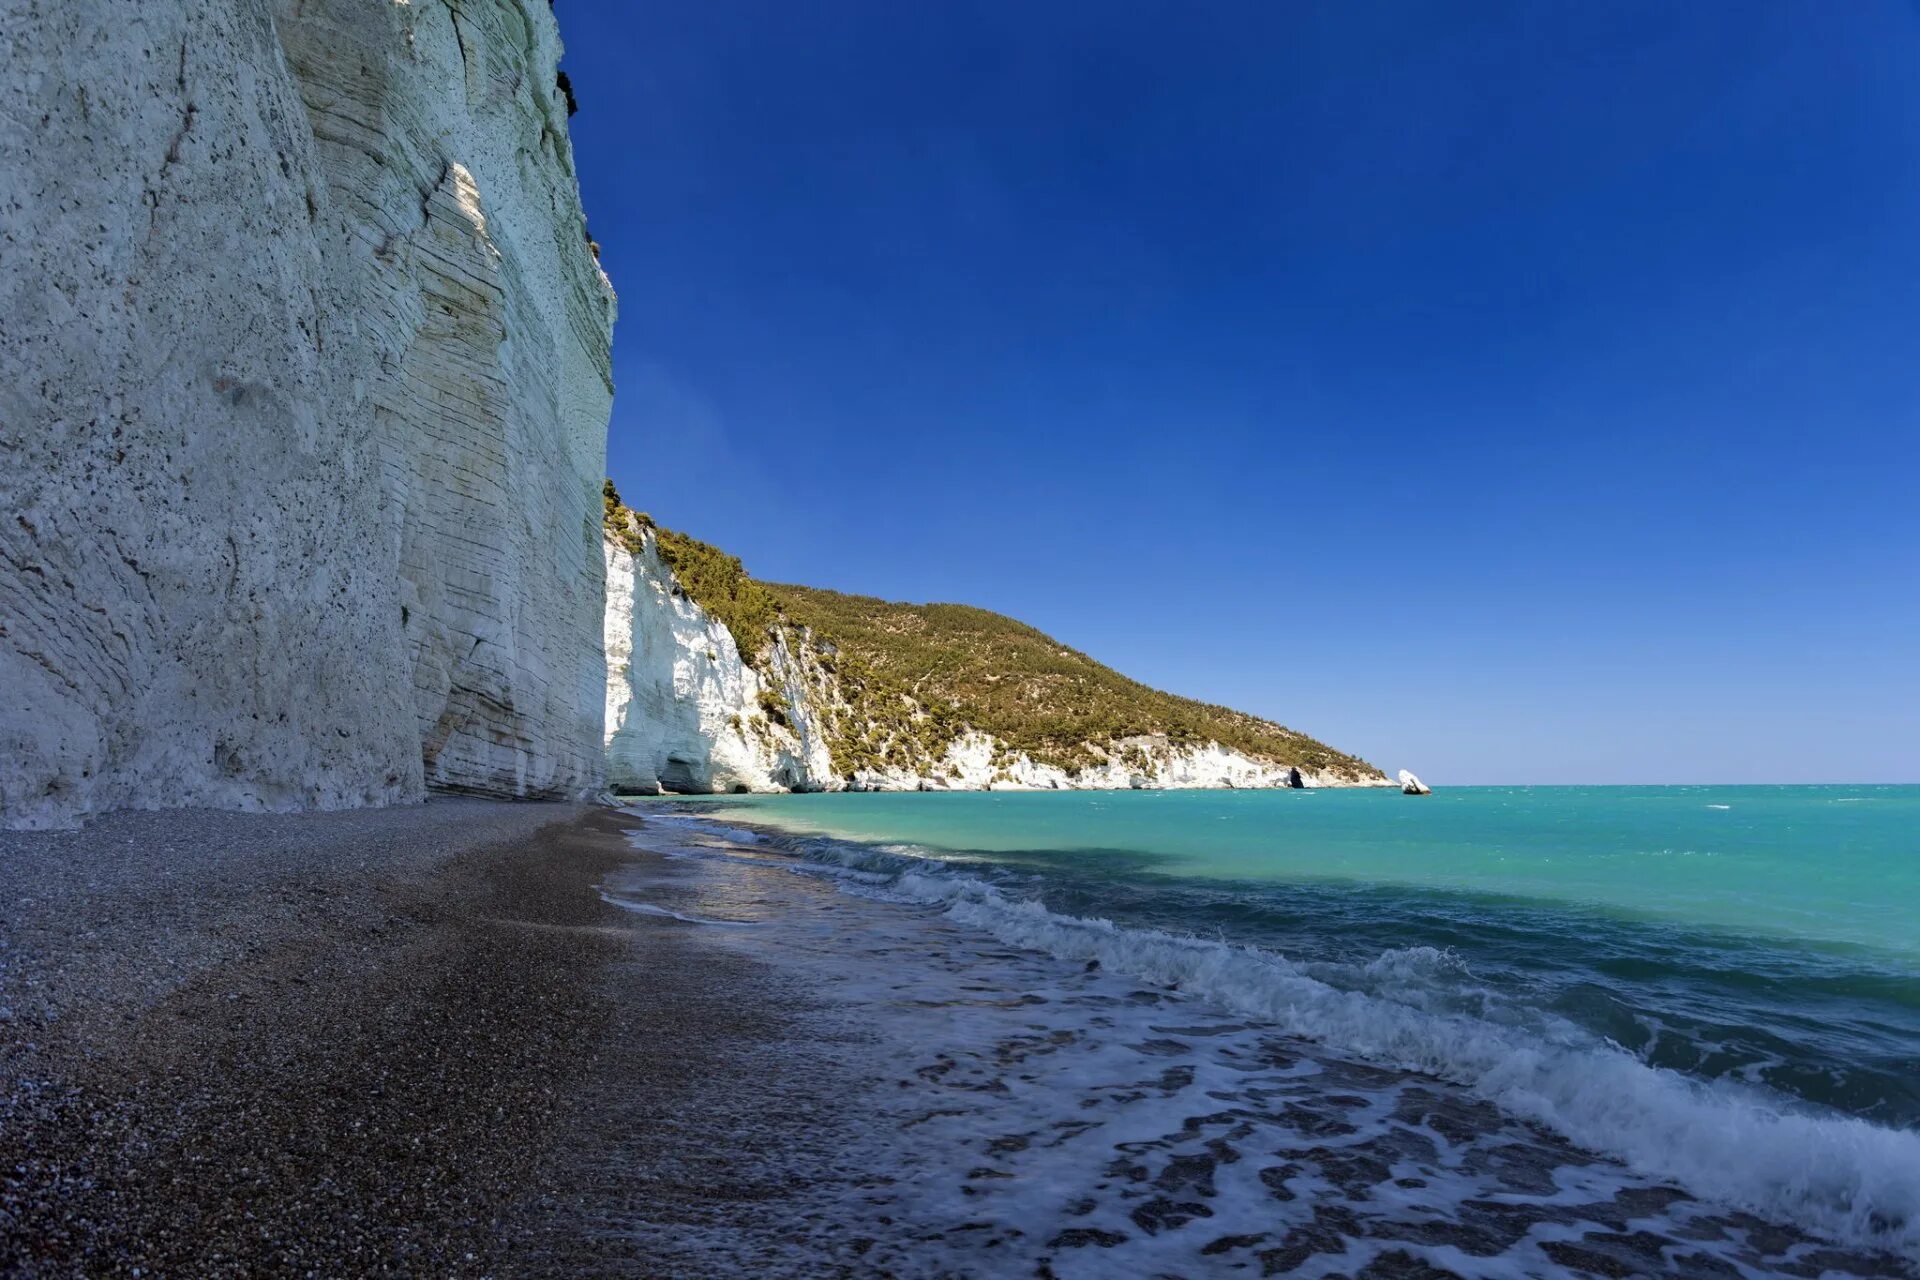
column 717, row 682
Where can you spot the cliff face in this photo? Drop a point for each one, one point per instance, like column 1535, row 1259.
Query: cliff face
column 303, row 394
column 684, row 711
column 443, row 139
column 979, row 762
column 687, row 712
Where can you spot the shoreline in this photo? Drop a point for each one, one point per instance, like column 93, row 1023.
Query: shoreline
column 1201, row 979
column 929, row 784
column 397, row 1041
column 478, row 1038
column 264, row 1044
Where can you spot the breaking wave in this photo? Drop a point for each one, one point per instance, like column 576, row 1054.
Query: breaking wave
column 1420, row 1009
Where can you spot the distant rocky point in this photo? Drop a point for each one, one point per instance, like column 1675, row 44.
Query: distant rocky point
column 717, row 682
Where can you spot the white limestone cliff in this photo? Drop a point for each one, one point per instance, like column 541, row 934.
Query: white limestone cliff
column 686, row 713
column 979, row 762
column 304, row 384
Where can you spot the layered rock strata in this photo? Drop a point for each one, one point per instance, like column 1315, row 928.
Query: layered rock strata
column 304, row 384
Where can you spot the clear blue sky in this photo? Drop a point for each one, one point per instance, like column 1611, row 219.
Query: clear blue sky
column 1513, row 392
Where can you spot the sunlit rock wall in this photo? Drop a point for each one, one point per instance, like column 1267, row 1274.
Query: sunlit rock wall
column 303, row 393
column 487, row 322
column 684, row 711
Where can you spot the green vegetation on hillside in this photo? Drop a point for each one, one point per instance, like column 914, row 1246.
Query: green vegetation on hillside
column 885, row 724
column 623, row 524
column 1022, row 686
column 712, row 579
column 718, row 583
column 916, row 677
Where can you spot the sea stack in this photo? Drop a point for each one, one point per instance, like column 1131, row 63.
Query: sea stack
column 1412, row 786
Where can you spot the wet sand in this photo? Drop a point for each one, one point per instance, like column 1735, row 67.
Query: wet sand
column 332, row 1044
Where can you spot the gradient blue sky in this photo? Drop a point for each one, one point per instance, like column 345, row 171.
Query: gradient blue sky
column 1513, row 392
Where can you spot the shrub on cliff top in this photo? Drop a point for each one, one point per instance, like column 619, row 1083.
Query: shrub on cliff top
column 718, row 583
column 712, row 579
column 623, row 524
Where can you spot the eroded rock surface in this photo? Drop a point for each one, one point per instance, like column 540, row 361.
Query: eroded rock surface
column 684, row 711
column 304, row 384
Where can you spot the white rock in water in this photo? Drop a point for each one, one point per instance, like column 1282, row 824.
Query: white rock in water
column 304, row 381
column 1412, row 786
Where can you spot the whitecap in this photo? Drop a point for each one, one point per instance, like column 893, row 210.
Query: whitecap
column 1726, row 1140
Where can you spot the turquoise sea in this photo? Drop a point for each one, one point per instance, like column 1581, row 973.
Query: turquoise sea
column 1720, row 977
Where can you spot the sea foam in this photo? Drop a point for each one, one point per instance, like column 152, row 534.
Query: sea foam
column 1742, row 1145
